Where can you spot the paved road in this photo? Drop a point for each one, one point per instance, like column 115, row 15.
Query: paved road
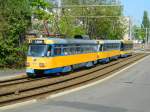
column 127, row 92
column 10, row 72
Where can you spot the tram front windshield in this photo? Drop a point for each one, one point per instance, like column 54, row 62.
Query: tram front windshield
column 37, row 50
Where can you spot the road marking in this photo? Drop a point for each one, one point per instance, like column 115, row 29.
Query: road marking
column 18, row 105
column 72, row 90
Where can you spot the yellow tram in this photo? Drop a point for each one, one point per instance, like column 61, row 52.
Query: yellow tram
column 56, row 55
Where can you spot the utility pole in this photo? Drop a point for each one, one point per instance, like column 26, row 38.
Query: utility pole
column 130, row 28
column 149, row 36
column 146, row 36
column 147, row 31
column 59, row 9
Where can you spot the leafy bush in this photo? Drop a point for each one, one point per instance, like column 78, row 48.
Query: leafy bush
column 12, row 57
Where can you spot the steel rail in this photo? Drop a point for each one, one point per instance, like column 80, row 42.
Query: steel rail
column 59, row 85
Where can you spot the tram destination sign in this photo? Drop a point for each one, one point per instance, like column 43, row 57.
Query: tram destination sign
column 37, row 41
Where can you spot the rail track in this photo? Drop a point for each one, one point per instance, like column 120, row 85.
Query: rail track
column 25, row 79
column 25, row 89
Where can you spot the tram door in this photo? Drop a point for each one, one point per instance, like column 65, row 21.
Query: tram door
column 101, row 47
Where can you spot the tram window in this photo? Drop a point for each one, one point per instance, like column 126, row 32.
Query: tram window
column 115, row 45
column 127, row 46
column 105, row 47
column 75, row 50
column 118, row 46
column 121, row 46
column 86, row 49
column 72, row 50
column 109, row 46
column 90, row 48
column 65, row 51
column 83, row 49
column 94, row 48
column 57, row 51
column 101, row 47
column 78, row 49
column 49, row 51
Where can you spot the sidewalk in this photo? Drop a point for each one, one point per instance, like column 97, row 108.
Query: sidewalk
column 8, row 73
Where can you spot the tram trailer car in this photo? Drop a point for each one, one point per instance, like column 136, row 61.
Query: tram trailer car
column 108, row 50
column 55, row 55
column 126, row 48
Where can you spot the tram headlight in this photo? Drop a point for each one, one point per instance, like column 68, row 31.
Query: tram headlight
column 41, row 65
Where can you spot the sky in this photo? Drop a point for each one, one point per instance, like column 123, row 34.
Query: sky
column 135, row 9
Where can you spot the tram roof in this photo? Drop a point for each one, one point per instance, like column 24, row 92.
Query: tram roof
column 50, row 40
column 127, row 41
column 108, row 41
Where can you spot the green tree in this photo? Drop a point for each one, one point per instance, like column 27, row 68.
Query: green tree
column 145, row 21
column 55, row 23
column 108, row 22
column 41, row 15
column 138, row 33
column 15, row 19
column 39, row 8
column 145, row 25
column 67, row 27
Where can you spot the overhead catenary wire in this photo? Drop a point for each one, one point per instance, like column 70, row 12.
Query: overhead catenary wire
column 81, row 6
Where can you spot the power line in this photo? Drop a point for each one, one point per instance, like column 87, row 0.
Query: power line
column 98, row 16
column 81, row 6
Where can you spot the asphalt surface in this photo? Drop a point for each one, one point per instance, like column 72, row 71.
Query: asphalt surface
column 11, row 72
column 127, row 92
